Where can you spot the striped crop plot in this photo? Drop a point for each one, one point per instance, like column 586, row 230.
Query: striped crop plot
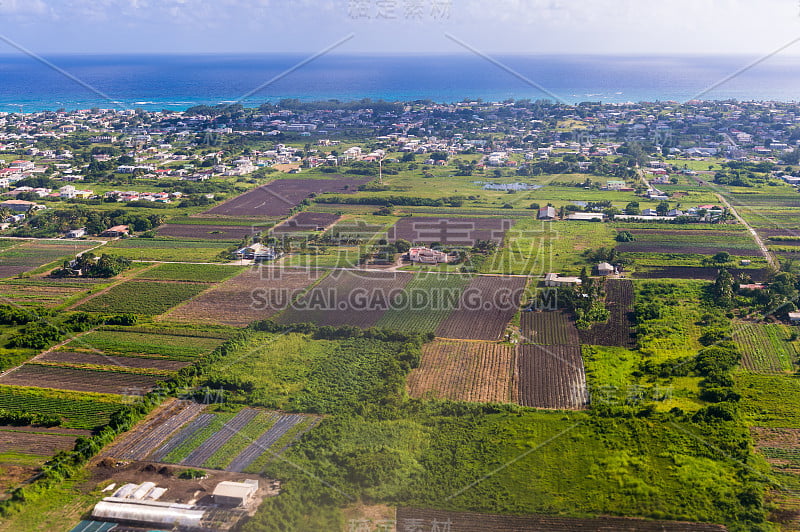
column 766, row 347
column 142, row 297
column 140, row 442
column 191, row 434
column 358, row 298
column 485, row 309
column 550, row 377
column 255, row 294
column 29, row 255
column 549, row 328
column 449, row 231
column 427, row 300
column 81, row 380
column 619, row 329
column 76, row 410
column 285, row 430
column 464, row 371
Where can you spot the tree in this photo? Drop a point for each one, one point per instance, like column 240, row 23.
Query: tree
column 625, row 236
column 662, row 208
column 632, row 208
column 402, row 246
column 723, row 289
column 722, row 257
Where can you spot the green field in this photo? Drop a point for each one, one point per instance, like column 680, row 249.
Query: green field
column 143, row 297
column 78, row 410
column 166, row 250
column 765, row 347
column 205, row 273
column 427, row 300
column 240, row 440
column 534, row 462
column 292, row 372
column 186, row 447
column 124, row 342
column 532, row 247
column 769, row 400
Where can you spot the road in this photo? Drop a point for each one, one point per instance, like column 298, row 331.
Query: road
column 764, row 251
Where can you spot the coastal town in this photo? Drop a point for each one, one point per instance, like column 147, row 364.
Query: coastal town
column 201, row 307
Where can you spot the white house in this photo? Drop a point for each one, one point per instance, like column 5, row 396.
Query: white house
column 553, row 279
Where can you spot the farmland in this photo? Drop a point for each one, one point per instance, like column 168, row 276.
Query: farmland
column 30, row 255
column 694, row 272
column 295, row 373
column 533, row 247
column 464, row 371
column 550, row 377
column 78, row 411
column 227, row 233
column 66, row 358
column 474, row 522
column 254, row 294
column 307, row 221
column 171, row 343
column 549, row 328
column 449, row 231
column 142, row 297
column 34, row 441
column 765, row 348
column 281, row 196
column 737, row 243
column 80, row 380
column 192, row 434
column 150, row 249
column 619, row 329
column 485, row 309
column 346, row 297
column 425, row 302
column 769, row 400
column 46, row 292
column 205, row 273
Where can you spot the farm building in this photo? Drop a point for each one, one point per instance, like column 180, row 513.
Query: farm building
column 229, row 493
column 116, row 231
column 76, row 233
column 553, row 279
column 605, row 268
column 148, row 513
column 427, row 256
column 586, row 216
column 547, row 213
column 794, row 317
column 257, row 252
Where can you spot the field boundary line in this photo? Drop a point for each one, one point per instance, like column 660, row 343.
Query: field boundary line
column 121, row 278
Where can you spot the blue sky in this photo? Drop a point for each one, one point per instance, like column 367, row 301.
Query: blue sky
column 667, row 27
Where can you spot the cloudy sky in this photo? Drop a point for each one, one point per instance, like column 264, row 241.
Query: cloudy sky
column 755, row 27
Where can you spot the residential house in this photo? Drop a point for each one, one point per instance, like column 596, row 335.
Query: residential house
column 116, row 231
column 257, row 252
column 76, row 233
column 605, row 268
column 427, row 256
column 547, row 213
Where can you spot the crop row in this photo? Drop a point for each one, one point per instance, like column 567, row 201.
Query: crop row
column 142, row 297
column 79, row 411
column 765, row 348
column 123, row 342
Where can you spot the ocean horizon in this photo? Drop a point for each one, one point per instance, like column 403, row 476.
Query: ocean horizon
column 177, row 82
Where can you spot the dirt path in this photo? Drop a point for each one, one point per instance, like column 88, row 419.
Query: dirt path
column 760, row 243
column 121, row 278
